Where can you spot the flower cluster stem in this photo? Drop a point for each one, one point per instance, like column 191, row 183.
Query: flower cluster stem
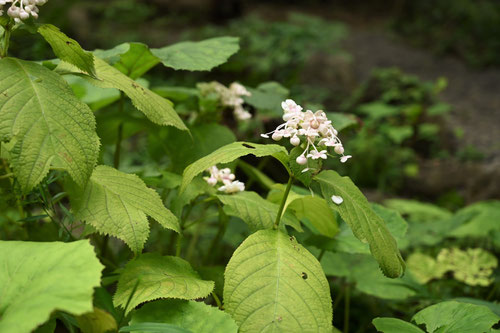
column 283, row 202
column 5, row 41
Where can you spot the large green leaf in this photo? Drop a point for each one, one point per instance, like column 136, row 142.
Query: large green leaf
column 98, row 321
column 117, row 203
column 272, row 283
column 67, row 49
column 484, row 217
column 38, row 278
column 194, row 316
column 136, row 61
column 317, row 212
column 48, row 124
column 456, row 317
column 257, row 212
column 394, row 325
column 198, row 56
column 226, row 154
column 366, row 225
column 152, row 276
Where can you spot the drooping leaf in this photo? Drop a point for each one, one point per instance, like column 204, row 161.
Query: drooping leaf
column 456, row 317
column 68, row 49
column 49, row 125
column 273, row 283
column 197, row 317
column 257, row 212
column 317, row 212
column 366, row 225
column 226, row 154
column 98, row 321
column 153, row 276
column 136, row 61
column 395, row 325
column 198, row 56
column 117, row 203
column 38, row 278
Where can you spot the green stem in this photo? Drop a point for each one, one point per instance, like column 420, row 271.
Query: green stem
column 223, row 220
column 6, row 41
column 347, row 305
column 118, row 146
column 217, row 300
column 283, row 201
column 321, row 254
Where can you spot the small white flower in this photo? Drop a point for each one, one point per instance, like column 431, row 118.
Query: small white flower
column 238, row 89
column 301, row 160
column 289, row 105
column 232, row 187
column 21, row 10
column 337, row 199
column 295, row 140
column 344, row 159
column 317, row 154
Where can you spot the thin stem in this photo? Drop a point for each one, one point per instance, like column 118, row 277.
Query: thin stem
column 217, row 300
column 283, row 201
column 347, row 305
column 118, row 146
column 321, row 254
column 6, row 41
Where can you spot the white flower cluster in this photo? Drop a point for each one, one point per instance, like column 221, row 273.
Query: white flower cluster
column 314, row 128
column 231, row 97
column 21, row 10
column 225, row 177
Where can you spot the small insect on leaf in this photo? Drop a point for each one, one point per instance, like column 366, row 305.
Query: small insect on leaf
column 304, row 275
column 248, row 146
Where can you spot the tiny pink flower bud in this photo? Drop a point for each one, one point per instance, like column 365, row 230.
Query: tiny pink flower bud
column 301, row 160
column 295, row 140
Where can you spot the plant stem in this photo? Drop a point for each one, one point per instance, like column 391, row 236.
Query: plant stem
column 217, row 300
column 347, row 305
column 6, row 41
column 321, row 254
column 118, row 146
column 283, row 201
column 223, row 220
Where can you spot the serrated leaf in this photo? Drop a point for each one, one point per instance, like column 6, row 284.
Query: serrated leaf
column 194, row 316
column 68, row 49
column 255, row 211
column 395, row 325
column 98, row 321
column 273, row 283
column 136, row 61
column 366, row 225
column 38, row 278
column 116, row 203
column 159, row 277
column 49, row 125
column 456, row 317
column 226, row 154
column 198, row 56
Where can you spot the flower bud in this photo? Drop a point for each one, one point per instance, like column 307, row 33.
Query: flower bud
column 301, row 160
column 339, row 150
column 277, row 136
column 295, row 140
column 315, row 124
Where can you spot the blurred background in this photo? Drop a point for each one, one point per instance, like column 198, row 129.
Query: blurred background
column 416, row 82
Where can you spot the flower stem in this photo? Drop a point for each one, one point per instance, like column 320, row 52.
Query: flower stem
column 5, row 41
column 283, row 201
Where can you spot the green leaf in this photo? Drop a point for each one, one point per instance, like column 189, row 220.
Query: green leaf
column 193, row 316
column 112, row 55
column 257, row 212
column 226, row 154
column 159, row 277
column 49, row 125
column 317, row 212
column 267, row 98
column 272, row 283
column 298, row 170
column 484, row 217
column 366, row 225
column 38, row 278
column 117, row 203
column 394, row 325
column 153, row 328
column 136, row 61
column 418, row 211
column 341, row 121
column 424, row 268
column 456, row 317
column 198, row 56
column 68, row 49
column 98, row 321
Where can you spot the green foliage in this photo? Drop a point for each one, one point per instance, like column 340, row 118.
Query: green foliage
column 366, row 225
column 98, row 321
column 272, row 281
column 193, row 316
column 227, row 154
column 46, row 124
column 152, row 276
column 198, row 56
column 394, row 325
column 38, row 278
column 136, row 61
column 116, row 204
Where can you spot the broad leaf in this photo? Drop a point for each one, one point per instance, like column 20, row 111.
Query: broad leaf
column 227, row 154
column 197, row 317
column 98, row 321
column 341, row 121
column 418, row 211
column 484, row 217
column 38, row 278
column 272, row 283
column 136, row 61
column 49, row 125
column 394, row 325
column 153, row 328
column 366, row 225
column 116, row 203
column 317, row 212
column 153, row 276
column 68, row 49
column 456, row 317
column 198, row 56
column 257, row 212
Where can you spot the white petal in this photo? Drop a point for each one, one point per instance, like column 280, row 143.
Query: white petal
column 343, row 159
column 336, row 199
